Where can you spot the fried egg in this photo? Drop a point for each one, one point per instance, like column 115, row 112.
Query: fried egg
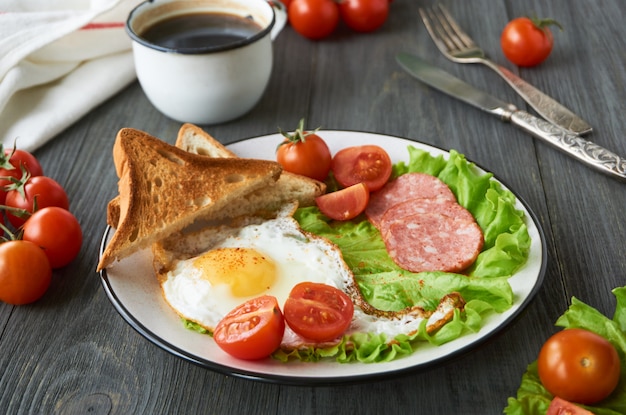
column 265, row 258
column 206, row 274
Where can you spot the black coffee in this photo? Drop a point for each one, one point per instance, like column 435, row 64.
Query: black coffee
column 200, row 30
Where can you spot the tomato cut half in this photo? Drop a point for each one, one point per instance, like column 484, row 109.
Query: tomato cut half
column 344, row 204
column 579, row 366
column 253, row 330
column 560, row 406
column 318, row 312
column 369, row 164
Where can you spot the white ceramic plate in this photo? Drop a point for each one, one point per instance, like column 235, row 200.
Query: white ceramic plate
column 133, row 289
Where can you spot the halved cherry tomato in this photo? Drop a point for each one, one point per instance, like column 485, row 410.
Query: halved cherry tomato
column 25, row 272
column 364, row 15
column 579, row 366
column 344, row 204
column 253, row 330
column 318, row 312
column 527, row 42
column 304, row 153
column 57, row 232
column 560, row 406
column 369, row 164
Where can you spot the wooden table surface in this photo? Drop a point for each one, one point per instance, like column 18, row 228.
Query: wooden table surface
column 71, row 352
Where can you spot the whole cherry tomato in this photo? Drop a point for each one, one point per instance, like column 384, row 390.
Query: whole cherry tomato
column 42, row 190
column 313, row 19
column 57, row 232
column 527, row 42
column 579, row 366
column 12, row 163
column 344, row 204
column 253, row 330
column 25, row 272
column 364, row 15
column 318, row 312
column 304, row 153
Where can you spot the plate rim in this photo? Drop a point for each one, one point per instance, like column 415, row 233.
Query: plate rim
column 167, row 346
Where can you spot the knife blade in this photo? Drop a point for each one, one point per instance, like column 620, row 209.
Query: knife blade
column 589, row 153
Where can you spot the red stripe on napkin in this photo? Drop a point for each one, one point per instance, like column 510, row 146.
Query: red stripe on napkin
column 104, row 25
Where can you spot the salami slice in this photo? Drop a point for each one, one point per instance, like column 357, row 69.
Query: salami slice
column 408, row 186
column 439, row 204
column 433, row 242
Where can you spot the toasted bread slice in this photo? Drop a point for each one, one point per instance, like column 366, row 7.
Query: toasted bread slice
column 289, row 187
column 163, row 189
column 195, row 140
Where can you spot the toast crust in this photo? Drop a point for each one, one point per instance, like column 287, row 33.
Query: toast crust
column 163, row 189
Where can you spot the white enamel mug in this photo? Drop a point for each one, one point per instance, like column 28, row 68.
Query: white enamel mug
column 205, row 84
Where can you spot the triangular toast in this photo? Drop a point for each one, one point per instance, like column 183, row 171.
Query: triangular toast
column 289, row 186
column 163, row 189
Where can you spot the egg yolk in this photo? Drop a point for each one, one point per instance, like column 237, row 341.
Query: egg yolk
column 245, row 270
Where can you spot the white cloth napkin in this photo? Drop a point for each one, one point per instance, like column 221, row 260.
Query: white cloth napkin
column 58, row 60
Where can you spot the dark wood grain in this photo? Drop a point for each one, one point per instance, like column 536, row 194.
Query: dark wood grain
column 71, row 352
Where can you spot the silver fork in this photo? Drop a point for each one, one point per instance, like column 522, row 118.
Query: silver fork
column 457, row 46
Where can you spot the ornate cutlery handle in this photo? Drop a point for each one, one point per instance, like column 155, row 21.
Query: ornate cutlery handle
column 583, row 150
column 547, row 107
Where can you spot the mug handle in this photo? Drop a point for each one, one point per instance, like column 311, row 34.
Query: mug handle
column 280, row 13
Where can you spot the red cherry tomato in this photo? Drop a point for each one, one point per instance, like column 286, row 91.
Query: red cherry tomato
column 560, row 406
column 57, row 232
column 344, row 204
column 253, row 330
column 318, row 312
column 369, row 164
column 25, row 272
column 313, row 19
column 527, row 42
column 11, row 163
column 43, row 189
column 579, row 366
column 364, row 15
column 304, row 153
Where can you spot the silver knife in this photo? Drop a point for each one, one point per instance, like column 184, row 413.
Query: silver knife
column 579, row 148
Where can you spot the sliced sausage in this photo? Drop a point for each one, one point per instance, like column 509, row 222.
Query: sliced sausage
column 405, row 187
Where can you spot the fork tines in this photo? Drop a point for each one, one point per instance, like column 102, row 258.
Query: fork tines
column 444, row 30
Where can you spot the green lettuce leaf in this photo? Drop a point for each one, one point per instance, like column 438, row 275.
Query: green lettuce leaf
column 533, row 399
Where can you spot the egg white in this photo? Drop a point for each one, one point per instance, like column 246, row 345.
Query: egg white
column 298, row 257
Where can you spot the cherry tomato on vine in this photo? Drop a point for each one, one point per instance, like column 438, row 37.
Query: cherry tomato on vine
column 45, row 190
column 318, row 312
column 369, row 164
column 579, row 366
column 364, row 15
column 344, row 204
column 253, row 330
column 25, row 272
column 527, row 42
column 57, row 232
column 313, row 19
column 11, row 163
column 304, row 153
